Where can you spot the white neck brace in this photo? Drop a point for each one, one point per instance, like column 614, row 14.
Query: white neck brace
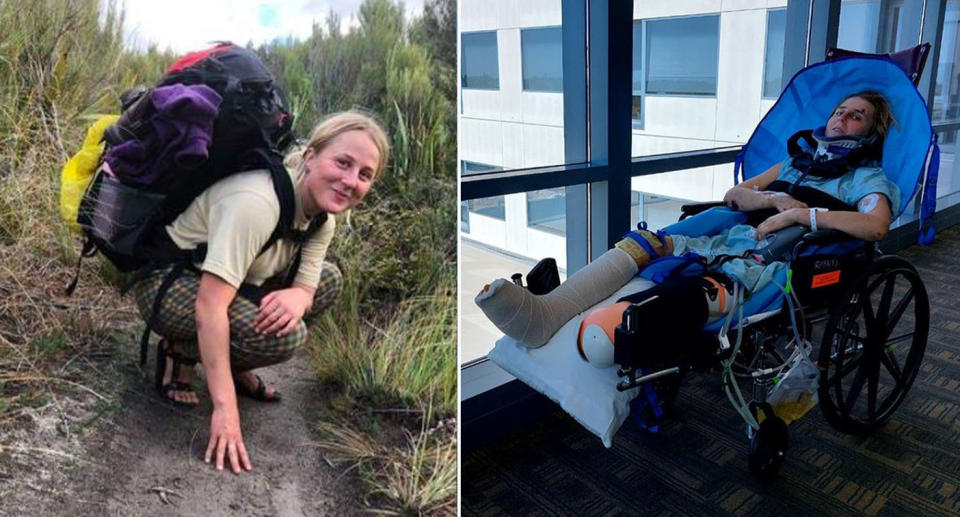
column 831, row 147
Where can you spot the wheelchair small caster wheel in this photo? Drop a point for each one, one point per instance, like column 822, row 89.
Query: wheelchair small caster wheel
column 768, row 446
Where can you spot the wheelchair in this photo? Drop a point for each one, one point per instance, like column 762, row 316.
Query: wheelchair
column 868, row 312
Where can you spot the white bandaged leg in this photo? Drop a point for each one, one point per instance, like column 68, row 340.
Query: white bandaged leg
column 532, row 319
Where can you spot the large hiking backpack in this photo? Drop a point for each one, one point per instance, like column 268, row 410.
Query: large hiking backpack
column 215, row 112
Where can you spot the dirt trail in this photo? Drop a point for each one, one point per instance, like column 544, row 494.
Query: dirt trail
column 149, row 445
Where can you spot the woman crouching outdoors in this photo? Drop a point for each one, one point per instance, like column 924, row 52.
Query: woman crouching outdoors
column 209, row 314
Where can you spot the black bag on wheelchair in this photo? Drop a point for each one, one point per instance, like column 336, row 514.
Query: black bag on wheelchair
column 823, row 274
column 663, row 324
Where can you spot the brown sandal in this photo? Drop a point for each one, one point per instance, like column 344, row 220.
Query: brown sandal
column 260, row 393
column 164, row 390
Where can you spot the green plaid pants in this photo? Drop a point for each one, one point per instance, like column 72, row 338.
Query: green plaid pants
column 176, row 322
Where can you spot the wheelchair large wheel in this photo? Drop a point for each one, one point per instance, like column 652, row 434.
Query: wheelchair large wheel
column 873, row 345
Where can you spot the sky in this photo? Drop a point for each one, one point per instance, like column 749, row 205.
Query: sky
column 186, row 25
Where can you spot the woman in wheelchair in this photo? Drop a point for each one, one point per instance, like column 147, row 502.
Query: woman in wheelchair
column 831, row 180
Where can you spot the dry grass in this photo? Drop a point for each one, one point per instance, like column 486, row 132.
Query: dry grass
column 410, row 363
column 415, row 477
column 49, row 343
column 60, row 62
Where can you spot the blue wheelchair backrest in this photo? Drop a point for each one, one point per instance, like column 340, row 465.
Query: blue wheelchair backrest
column 910, row 152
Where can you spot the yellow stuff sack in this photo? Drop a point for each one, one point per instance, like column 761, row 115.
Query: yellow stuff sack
column 77, row 173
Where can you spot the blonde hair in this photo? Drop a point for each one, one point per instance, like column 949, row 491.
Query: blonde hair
column 333, row 126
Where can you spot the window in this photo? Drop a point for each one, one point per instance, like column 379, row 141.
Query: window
column 491, row 206
column 893, row 27
column 479, row 68
column 542, row 55
column 468, row 168
column 656, row 211
column 946, row 98
column 465, row 216
column 680, row 55
column 547, row 210
column 773, row 56
column 859, row 24
column 636, row 107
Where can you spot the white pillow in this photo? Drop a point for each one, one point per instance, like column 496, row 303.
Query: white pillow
column 556, row 369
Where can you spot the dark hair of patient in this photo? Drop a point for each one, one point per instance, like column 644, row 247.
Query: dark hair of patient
column 883, row 115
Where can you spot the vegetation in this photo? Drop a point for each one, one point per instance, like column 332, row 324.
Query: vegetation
column 389, row 345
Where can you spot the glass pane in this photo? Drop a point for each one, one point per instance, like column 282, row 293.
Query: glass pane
column 468, row 168
column 859, row 24
column 532, row 227
column 637, row 57
column 520, row 124
column 464, row 217
column 948, row 183
column 656, row 198
column 946, row 99
column 657, row 211
column 494, row 207
column 681, row 55
column 688, row 93
column 895, row 29
column 488, row 207
column 478, row 63
column 547, row 211
column 636, row 111
column 480, row 265
column 542, row 51
column 773, row 56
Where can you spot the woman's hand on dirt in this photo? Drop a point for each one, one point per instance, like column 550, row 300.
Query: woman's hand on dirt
column 226, row 440
column 281, row 311
column 780, row 221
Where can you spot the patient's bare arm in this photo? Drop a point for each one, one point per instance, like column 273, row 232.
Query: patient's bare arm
column 870, row 223
column 749, row 195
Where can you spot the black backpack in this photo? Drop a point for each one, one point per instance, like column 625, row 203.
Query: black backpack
column 124, row 207
column 228, row 100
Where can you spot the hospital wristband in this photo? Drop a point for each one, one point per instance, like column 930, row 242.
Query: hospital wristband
column 813, row 217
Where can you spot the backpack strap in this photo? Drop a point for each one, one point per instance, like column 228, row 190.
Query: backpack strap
column 283, row 187
column 89, row 250
column 168, row 281
column 300, row 239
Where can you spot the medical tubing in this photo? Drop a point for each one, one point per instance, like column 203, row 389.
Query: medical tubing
column 803, row 315
column 738, row 403
column 793, row 320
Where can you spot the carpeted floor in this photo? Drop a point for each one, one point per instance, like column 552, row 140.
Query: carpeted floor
column 696, row 464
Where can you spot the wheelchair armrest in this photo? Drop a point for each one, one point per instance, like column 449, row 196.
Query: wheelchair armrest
column 696, row 208
column 823, row 238
column 827, row 236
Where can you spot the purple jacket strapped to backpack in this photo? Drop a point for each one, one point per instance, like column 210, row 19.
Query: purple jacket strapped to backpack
column 182, row 129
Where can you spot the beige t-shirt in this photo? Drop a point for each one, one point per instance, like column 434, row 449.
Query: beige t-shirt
column 235, row 217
